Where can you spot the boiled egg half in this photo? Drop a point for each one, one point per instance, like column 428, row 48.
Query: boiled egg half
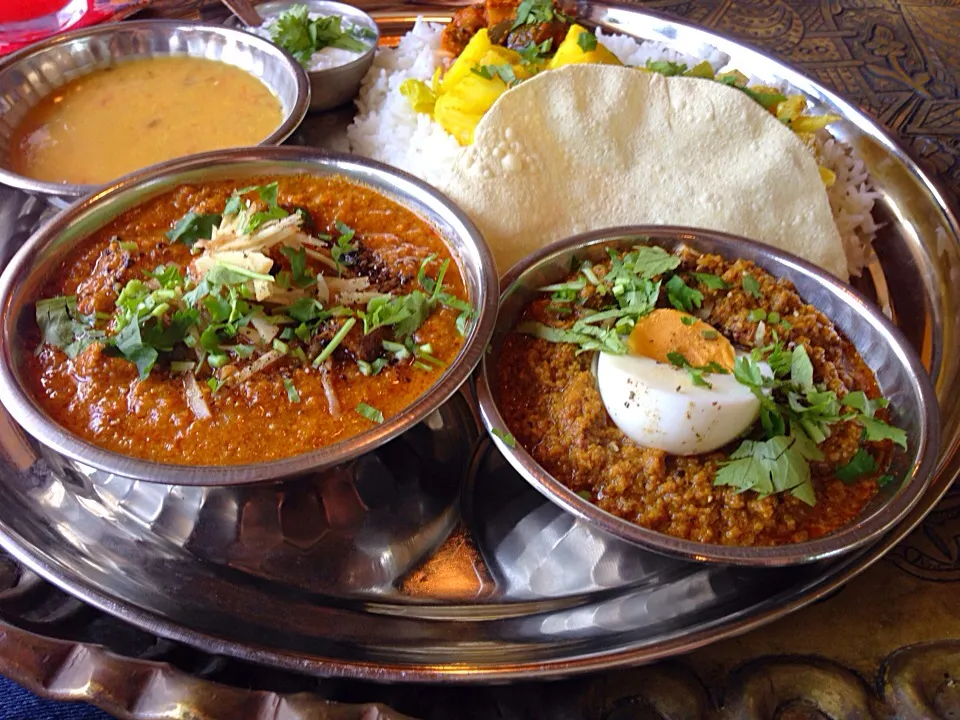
column 657, row 405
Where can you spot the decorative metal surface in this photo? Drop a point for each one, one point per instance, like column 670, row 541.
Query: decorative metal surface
column 875, row 649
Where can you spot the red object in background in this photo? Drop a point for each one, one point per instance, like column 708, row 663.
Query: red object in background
column 26, row 21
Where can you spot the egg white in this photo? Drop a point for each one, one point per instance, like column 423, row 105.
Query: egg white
column 658, row 406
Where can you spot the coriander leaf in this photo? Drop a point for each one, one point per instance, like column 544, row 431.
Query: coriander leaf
column 292, row 394
column 605, row 340
column 168, row 276
column 587, row 41
column 370, row 413
column 682, row 296
column 648, row 261
column 505, row 437
column 750, row 285
column 264, row 216
column 801, row 369
column 334, row 342
column 773, row 466
column 343, row 248
column 301, row 275
column 858, row 401
column 711, row 281
column 885, row 480
column 665, row 67
column 55, row 319
column 756, row 315
column 534, row 12
column 306, row 310
column 688, row 320
column 861, row 464
column 504, row 72
column 193, row 227
column 876, row 430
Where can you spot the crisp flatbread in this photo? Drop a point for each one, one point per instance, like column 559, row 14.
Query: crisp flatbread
column 592, row 146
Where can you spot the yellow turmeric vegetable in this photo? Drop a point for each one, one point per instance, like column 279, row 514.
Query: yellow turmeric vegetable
column 420, row 97
column 459, row 110
column 573, row 50
column 471, row 56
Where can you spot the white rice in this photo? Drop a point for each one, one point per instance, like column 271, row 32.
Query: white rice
column 387, row 129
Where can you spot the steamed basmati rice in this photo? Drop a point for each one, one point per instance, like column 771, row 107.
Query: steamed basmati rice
column 387, row 129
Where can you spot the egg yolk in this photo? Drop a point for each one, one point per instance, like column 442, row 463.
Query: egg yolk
column 664, row 331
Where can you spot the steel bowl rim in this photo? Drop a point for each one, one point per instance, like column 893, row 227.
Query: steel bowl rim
column 18, row 400
column 236, row 23
column 72, row 191
column 850, row 537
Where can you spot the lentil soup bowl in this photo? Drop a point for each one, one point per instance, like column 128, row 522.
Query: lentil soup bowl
column 545, row 397
column 348, row 293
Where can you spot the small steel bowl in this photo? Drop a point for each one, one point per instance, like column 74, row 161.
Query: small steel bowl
column 42, row 254
column 899, row 373
column 334, row 86
column 28, row 76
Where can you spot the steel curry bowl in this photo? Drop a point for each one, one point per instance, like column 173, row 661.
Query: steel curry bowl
column 34, row 73
column 899, row 373
column 44, row 252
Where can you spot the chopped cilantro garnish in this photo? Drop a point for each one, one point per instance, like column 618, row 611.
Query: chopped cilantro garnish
column 535, row 12
column 296, row 33
column 709, row 334
column 876, row 430
column 710, row 281
column 334, row 342
column 696, row 373
column 885, row 480
column 300, row 274
column 505, row 437
column 193, row 227
column 682, row 296
column 504, row 72
column 750, row 285
column 757, row 315
column 772, row 466
column 370, row 413
column 343, row 249
column 665, row 67
column 587, row 41
column 292, row 393
column 860, row 465
column 688, row 320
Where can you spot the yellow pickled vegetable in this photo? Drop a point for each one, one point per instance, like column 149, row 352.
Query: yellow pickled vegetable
column 459, row 110
column 828, row 176
column 812, row 123
column 701, row 70
column 581, row 46
column 471, row 56
column 739, row 79
column 421, row 98
column 791, row 108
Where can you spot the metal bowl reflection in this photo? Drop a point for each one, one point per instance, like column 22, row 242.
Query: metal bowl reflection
column 899, row 373
column 39, row 70
column 27, row 271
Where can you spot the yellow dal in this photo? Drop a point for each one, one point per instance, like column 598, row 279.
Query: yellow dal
column 137, row 113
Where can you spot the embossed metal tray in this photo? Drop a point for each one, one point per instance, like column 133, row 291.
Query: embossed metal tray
column 354, row 577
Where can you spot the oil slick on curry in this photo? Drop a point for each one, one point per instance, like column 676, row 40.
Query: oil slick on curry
column 227, row 324
column 698, row 397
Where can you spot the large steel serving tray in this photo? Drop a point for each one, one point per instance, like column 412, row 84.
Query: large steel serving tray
column 354, row 578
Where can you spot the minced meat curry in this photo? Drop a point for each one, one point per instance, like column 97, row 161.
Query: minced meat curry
column 805, row 467
column 220, row 324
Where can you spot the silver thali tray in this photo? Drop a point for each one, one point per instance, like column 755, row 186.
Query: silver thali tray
column 265, row 574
